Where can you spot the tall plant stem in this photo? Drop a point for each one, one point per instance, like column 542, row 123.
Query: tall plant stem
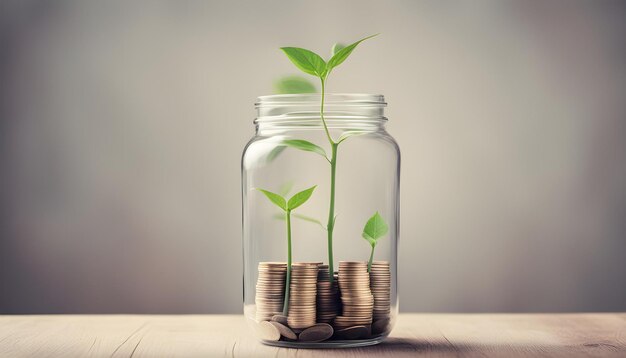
column 369, row 264
column 330, row 139
column 288, row 280
column 330, row 226
column 331, row 211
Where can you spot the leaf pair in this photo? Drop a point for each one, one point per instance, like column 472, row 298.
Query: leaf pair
column 294, row 202
column 313, row 64
column 374, row 229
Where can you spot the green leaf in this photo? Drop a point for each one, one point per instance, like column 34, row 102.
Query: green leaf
column 349, row 134
column 336, row 48
column 375, row 228
column 342, row 54
column 309, row 219
column 300, row 198
column 305, row 145
column 275, row 198
column 370, row 240
column 308, row 61
column 293, row 84
column 274, row 153
column 281, row 216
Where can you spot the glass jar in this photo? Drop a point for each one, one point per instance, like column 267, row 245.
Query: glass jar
column 331, row 249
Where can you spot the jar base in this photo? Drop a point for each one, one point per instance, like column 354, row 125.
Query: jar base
column 326, row 344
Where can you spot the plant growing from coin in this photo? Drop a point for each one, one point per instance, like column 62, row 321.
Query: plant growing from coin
column 313, row 64
column 287, row 206
column 374, row 229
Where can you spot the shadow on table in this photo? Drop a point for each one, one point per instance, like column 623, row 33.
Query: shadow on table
column 401, row 346
column 398, row 345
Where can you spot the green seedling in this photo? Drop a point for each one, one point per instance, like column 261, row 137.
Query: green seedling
column 374, row 229
column 287, row 206
column 284, row 190
column 313, row 64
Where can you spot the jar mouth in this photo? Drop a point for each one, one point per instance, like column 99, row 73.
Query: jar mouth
column 330, row 99
column 304, row 108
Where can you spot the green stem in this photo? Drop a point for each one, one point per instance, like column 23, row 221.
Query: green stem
column 369, row 264
column 330, row 139
column 288, row 280
column 331, row 211
column 333, row 168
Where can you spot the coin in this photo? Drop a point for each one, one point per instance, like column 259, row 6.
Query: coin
column 356, row 297
column 268, row 332
column 270, row 289
column 302, row 295
column 380, row 284
column 280, row 319
column 317, row 333
column 381, row 325
column 328, row 304
column 284, row 331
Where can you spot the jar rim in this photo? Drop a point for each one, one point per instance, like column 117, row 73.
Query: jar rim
column 330, row 99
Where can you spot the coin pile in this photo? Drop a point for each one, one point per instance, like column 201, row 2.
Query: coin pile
column 356, row 297
column 380, row 284
column 328, row 304
column 270, row 289
column 302, row 292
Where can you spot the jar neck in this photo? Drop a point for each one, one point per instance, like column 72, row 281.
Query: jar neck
column 361, row 112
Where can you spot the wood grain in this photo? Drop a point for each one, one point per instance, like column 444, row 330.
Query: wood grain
column 427, row 335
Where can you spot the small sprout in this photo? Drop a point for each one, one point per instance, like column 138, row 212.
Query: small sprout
column 287, row 206
column 284, row 190
column 374, row 229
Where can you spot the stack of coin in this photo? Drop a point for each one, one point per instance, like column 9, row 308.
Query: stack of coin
column 380, row 284
column 302, row 292
column 356, row 297
column 328, row 304
column 270, row 289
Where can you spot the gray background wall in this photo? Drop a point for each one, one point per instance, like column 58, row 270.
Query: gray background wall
column 122, row 126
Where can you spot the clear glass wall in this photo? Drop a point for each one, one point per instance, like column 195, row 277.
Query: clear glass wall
column 355, row 197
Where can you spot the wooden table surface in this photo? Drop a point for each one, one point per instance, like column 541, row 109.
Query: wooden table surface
column 436, row 335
